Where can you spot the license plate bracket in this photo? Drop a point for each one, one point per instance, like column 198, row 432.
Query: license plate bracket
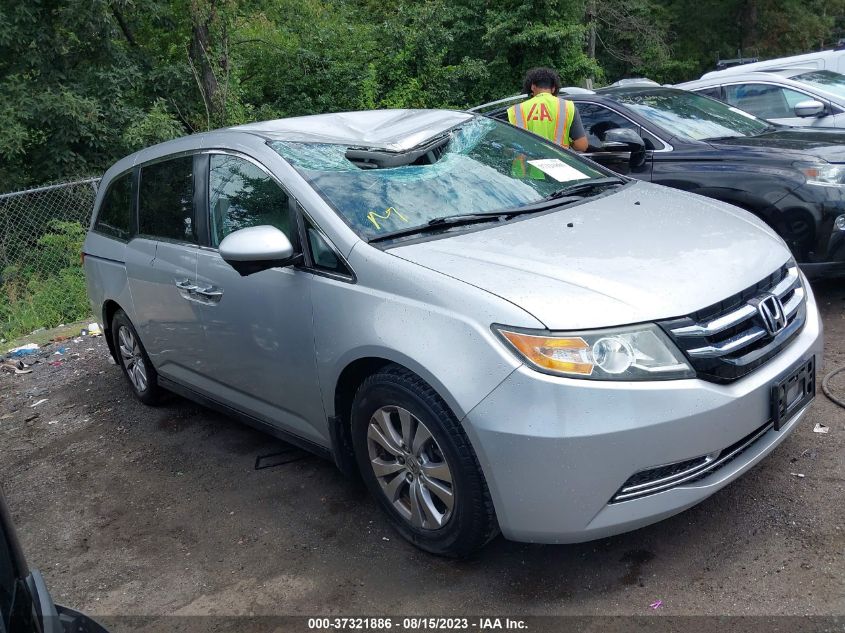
column 791, row 393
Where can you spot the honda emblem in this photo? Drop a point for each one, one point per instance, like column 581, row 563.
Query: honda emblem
column 770, row 309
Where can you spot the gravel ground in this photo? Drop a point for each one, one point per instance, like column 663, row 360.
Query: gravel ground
column 135, row 510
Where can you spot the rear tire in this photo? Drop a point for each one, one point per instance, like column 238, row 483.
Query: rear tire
column 419, row 465
column 133, row 360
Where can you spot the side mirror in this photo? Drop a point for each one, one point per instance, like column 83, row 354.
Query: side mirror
column 257, row 248
column 620, row 139
column 809, row 108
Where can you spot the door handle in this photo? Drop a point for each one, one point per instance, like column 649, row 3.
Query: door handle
column 211, row 293
column 185, row 284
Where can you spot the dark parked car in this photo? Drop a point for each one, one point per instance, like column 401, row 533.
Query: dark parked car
column 792, row 178
column 25, row 603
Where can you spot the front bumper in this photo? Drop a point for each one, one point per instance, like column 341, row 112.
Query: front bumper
column 808, row 224
column 554, row 450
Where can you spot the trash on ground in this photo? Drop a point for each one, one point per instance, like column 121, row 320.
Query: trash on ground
column 799, row 475
column 32, row 406
column 821, row 428
column 94, row 329
column 656, row 604
column 23, row 350
column 55, row 363
column 60, row 352
column 15, row 366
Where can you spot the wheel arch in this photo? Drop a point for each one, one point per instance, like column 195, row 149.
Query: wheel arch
column 110, row 307
column 355, row 372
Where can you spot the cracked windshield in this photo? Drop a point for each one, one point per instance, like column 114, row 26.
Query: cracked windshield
column 482, row 166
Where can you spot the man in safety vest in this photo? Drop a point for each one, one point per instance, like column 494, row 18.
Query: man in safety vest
column 546, row 114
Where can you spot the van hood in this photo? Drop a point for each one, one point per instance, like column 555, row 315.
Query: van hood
column 639, row 253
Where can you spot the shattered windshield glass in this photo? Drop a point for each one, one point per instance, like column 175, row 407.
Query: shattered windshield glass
column 485, row 166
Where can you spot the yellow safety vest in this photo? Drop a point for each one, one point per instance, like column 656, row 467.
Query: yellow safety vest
column 541, row 115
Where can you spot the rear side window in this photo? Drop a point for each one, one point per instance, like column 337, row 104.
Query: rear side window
column 243, row 195
column 166, row 200
column 115, row 215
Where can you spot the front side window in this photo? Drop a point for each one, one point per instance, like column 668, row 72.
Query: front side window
column 689, row 115
column 166, row 200
column 242, row 195
column 480, row 166
column 764, row 100
column 598, row 120
column 824, row 80
column 115, row 216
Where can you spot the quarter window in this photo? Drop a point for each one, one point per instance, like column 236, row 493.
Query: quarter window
column 765, row 100
column 243, row 195
column 323, row 255
column 115, row 216
column 166, row 200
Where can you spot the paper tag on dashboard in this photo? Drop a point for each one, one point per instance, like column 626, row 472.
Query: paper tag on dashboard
column 557, row 169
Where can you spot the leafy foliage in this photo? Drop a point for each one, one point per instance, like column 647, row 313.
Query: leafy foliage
column 31, row 298
column 87, row 81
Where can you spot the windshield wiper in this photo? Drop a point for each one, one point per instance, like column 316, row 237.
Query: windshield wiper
column 584, row 188
column 573, row 193
column 438, row 223
column 448, row 221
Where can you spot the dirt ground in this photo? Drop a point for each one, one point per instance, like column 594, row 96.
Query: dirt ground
column 135, row 510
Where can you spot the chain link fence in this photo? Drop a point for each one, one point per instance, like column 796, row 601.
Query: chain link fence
column 41, row 233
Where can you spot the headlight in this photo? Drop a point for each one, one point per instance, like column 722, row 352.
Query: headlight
column 639, row 352
column 823, row 174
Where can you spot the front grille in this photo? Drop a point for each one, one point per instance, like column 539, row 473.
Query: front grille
column 654, row 480
column 729, row 339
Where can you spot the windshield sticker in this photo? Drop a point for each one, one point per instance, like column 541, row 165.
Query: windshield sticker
column 558, row 170
column 388, row 213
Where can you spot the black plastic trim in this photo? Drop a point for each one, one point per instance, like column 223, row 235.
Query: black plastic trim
column 257, row 423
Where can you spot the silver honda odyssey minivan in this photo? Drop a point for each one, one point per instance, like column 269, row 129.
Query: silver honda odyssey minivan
column 495, row 333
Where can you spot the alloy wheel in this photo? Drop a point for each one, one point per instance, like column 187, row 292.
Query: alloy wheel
column 133, row 359
column 410, row 467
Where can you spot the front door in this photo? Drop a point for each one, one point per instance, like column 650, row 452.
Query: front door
column 775, row 103
column 259, row 340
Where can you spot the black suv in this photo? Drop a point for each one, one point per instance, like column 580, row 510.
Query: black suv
column 792, row 178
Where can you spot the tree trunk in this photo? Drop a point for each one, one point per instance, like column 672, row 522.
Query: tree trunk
column 202, row 16
column 591, row 35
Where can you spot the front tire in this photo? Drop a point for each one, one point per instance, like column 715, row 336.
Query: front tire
column 418, row 463
column 133, row 360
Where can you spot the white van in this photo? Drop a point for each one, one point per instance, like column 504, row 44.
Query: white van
column 822, row 60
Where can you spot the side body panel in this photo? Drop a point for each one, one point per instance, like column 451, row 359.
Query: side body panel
column 433, row 324
column 259, row 345
column 105, row 274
